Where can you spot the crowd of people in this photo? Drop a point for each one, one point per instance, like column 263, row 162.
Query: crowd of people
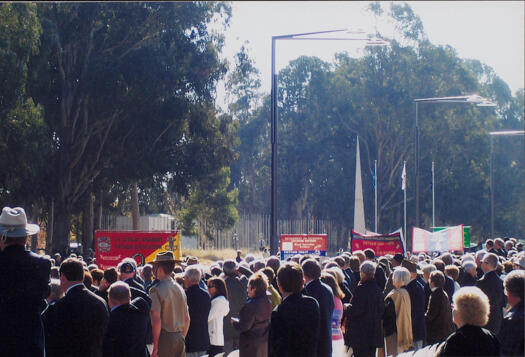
column 354, row 304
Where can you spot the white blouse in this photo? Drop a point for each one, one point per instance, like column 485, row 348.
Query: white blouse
column 219, row 308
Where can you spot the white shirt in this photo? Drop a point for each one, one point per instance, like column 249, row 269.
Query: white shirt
column 219, row 308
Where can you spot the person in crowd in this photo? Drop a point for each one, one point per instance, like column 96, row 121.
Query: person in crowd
column 128, row 273
column 199, row 305
column 238, row 257
column 509, row 244
column 24, row 278
column 499, row 248
column 219, row 309
column 452, row 272
column 110, row 276
column 75, row 325
column 337, row 273
column 449, row 283
column 397, row 320
column 236, row 284
column 489, row 246
column 362, row 319
column 275, row 263
column 254, row 319
column 380, row 277
column 512, row 332
column 471, row 310
column 294, row 324
column 478, row 258
column 396, row 261
column 338, row 345
column 258, row 265
column 55, row 292
column 470, row 275
column 438, row 317
column 324, row 296
column 128, row 324
column 276, row 297
column 492, row 286
column 417, row 304
column 88, row 281
column 147, row 276
column 170, row 319
column 97, row 275
column 356, row 273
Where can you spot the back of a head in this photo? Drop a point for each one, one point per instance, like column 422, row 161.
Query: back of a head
column 258, row 265
column 437, row 278
column 440, row 265
column 72, row 269
column 354, row 263
column 447, row 258
column 368, row 269
column 489, row 243
column 491, row 260
column 111, row 275
column 370, row 254
column 229, row 267
column 259, row 282
column 311, row 269
column 147, row 271
column 472, row 305
column 120, row 292
column 452, row 272
column 290, row 277
column 274, row 263
column 269, row 273
column 193, row 274
column 401, row 276
column 515, row 283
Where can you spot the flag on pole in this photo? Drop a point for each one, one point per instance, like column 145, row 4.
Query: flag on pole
column 404, row 178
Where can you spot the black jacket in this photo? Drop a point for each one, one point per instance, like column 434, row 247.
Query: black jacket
column 324, row 296
column 199, row 305
column 380, row 277
column 294, row 327
column 76, row 324
column 511, row 334
column 127, row 330
column 449, row 288
column 492, row 286
column 468, row 280
column 471, row 341
column 363, row 317
column 24, row 278
column 417, row 304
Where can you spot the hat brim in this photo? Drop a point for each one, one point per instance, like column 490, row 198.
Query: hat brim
column 29, row 230
column 160, row 261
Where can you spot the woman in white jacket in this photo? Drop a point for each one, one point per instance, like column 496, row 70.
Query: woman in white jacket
column 219, row 309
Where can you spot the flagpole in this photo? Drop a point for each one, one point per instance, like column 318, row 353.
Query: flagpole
column 433, row 198
column 404, row 201
column 375, row 188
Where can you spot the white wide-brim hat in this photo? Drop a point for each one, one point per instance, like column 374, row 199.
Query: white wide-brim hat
column 13, row 223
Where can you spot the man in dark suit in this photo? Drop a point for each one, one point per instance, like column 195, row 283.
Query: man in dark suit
column 380, row 277
column 75, row 325
column 492, row 286
column 362, row 318
column 417, row 304
column 469, row 277
column 199, row 305
column 128, row 273
column 325, row 298
column 128, row 324
column 512, row 334
column 294, row 324
column 24, row 278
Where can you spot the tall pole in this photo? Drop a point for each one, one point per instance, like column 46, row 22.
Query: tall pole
column 491, row 189
column 417, row 167
column 405, row 206
column 273, row 223
column 433, row 198
column 375, row 193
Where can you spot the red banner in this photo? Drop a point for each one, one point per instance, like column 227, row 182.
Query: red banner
column 112, row 247
column 382, row 244
column 292, row 244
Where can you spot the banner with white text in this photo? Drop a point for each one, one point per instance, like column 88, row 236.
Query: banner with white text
column 382, row 244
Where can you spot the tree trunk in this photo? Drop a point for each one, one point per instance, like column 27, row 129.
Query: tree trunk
column 87, row 224
column 135, row 207
column 50, row 224
column 62, row 228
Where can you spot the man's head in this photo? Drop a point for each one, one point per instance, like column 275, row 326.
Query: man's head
column 470, row 267
column 192, row 276
column 514, row 285
column 370, row 254
column 479, row 257
column 412, row 268
column 311, row 269
column 147, row 272
column 367, row 270
column 489, row 262
column 489, row 244
column 229, row 267
column 397, row 260
column 14, row 228
column 290, row 278
column 119, row 294
column 163, row 264
column 360, row 255
column 437, row 279
column 71, row 273
column 498, row 243
column 509, row 245
column 447, row 258
column 127, row 268
column 274, row 263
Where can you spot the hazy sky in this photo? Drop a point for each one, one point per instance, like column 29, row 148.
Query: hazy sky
column 490, row 31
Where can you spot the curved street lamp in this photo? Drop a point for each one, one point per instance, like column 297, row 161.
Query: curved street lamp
column 346, row 35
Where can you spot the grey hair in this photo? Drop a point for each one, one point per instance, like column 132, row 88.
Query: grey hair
column 193, row 273
column 229, row 266
column 427, row 269
column 401, row 275
column 368, row 268
column 249, row 258
column 467, row 265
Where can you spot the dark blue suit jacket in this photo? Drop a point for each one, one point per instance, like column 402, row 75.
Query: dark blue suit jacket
column 294, row 327
column 76, row 324
column 127, row 330
column 492, row 286
column 417, row 304
column 199, row 305
column 324, row 296
column 24, row 278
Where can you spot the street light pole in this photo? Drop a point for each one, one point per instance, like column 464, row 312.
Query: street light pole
column 492, row 134
column 472, row 99
column 370, row 41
